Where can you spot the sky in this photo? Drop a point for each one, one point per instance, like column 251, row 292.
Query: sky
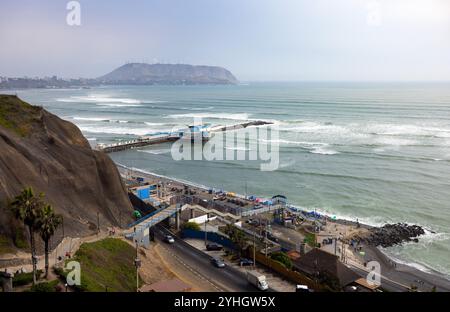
column 257, row 40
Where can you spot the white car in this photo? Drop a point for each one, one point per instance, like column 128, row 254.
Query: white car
column 169, row 239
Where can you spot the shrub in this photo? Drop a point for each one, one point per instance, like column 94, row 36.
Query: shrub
column 25, row 278
column 282, row 258
column 45, row 286
column 191, row 226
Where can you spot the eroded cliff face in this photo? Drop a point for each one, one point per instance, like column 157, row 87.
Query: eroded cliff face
column 40, row 150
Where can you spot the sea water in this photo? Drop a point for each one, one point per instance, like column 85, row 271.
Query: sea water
column 377, row 152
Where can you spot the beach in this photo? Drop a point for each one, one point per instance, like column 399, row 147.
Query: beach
column 377, row 152
column 401, row 277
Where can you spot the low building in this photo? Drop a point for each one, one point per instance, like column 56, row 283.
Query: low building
column 325, row 268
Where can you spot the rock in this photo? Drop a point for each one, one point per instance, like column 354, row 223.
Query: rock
column 40, row 150
column 391, row 234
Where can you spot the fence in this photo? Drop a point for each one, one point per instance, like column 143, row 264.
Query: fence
column 211, row 236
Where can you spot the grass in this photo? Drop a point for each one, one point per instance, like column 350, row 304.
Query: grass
column 22, row 279
column 106, row 263
column 45, row 286
column 17, row 115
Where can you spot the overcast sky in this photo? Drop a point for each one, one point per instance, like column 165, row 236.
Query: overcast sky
column 255, row 39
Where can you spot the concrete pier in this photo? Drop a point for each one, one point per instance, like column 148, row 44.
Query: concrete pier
column 172, row 137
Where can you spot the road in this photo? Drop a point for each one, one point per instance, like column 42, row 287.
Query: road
column 228, row 278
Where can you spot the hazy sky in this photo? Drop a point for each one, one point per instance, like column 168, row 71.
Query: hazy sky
column 255, row 39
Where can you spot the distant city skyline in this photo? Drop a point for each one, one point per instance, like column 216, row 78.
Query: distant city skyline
column 257, row 40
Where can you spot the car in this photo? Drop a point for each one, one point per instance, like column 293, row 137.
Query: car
column 169, row 239
column 245, row 262
column 218, row 263
column 213, row 246
column 302, row 288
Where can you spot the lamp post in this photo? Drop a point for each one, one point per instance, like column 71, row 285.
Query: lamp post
column 206, row 233
column 254, row 249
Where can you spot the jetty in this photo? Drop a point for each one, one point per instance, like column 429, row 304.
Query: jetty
column 201, row 132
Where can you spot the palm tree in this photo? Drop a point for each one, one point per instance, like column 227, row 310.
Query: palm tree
column 26, row 208
column 48, row 223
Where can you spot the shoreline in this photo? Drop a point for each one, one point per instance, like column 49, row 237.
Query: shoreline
column 393, row 269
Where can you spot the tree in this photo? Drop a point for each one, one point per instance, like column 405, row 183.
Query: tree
column 282, row 258
column 237, row 236
column 48, row 223
column 26, row 208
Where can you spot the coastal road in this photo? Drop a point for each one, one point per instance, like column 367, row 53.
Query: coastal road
column 227, row 279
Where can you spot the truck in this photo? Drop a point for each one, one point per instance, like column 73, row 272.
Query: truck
column 258, row 280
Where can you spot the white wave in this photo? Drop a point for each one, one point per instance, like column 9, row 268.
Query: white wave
column 237, row 148
column 116, row 130
column 323, row 151
column 313, row 147
column 395, row 141
column 99, row 119
column 155, row 152
column 242, row 116
column 118, row 105
column 98, row 99
column 155, row 123
column 90, row 119
column 198, row 108
column 367, row 131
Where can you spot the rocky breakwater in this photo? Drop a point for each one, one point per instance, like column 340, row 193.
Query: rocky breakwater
column 390, row 235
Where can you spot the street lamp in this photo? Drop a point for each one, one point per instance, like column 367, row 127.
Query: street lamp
column 206, row 233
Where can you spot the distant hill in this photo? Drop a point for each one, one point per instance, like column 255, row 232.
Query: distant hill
column 148, row 74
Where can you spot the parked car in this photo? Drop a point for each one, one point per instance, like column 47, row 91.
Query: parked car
column 217, row 262
column 258, row 280
column 214, row 246
column 302, row 288
column 245, row 262
column 169, row 239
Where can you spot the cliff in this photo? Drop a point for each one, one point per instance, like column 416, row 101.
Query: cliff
column 40, row 150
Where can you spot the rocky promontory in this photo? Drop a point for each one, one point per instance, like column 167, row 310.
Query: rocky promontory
column 389, row 235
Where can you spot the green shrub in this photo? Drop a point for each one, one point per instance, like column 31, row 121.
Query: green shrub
column 45, row 286
column 282, row 258
column 25, row 278
column 191, row 226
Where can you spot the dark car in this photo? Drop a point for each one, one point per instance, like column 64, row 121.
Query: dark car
column 245, row 262
column 218, row 263
column 213, row 246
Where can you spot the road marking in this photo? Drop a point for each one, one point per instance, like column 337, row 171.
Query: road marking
column 191, row 269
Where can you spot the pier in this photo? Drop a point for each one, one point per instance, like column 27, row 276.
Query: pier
column 202, row 132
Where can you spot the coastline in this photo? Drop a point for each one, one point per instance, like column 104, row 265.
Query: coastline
column 392, row 269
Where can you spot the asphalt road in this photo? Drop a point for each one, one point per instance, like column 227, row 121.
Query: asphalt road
column 228, row 278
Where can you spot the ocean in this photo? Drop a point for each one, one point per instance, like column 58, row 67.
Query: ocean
column 377, row 152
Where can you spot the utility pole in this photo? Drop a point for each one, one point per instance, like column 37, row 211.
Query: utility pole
column 206, row 233
column 254, row 249
column 265, row 240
